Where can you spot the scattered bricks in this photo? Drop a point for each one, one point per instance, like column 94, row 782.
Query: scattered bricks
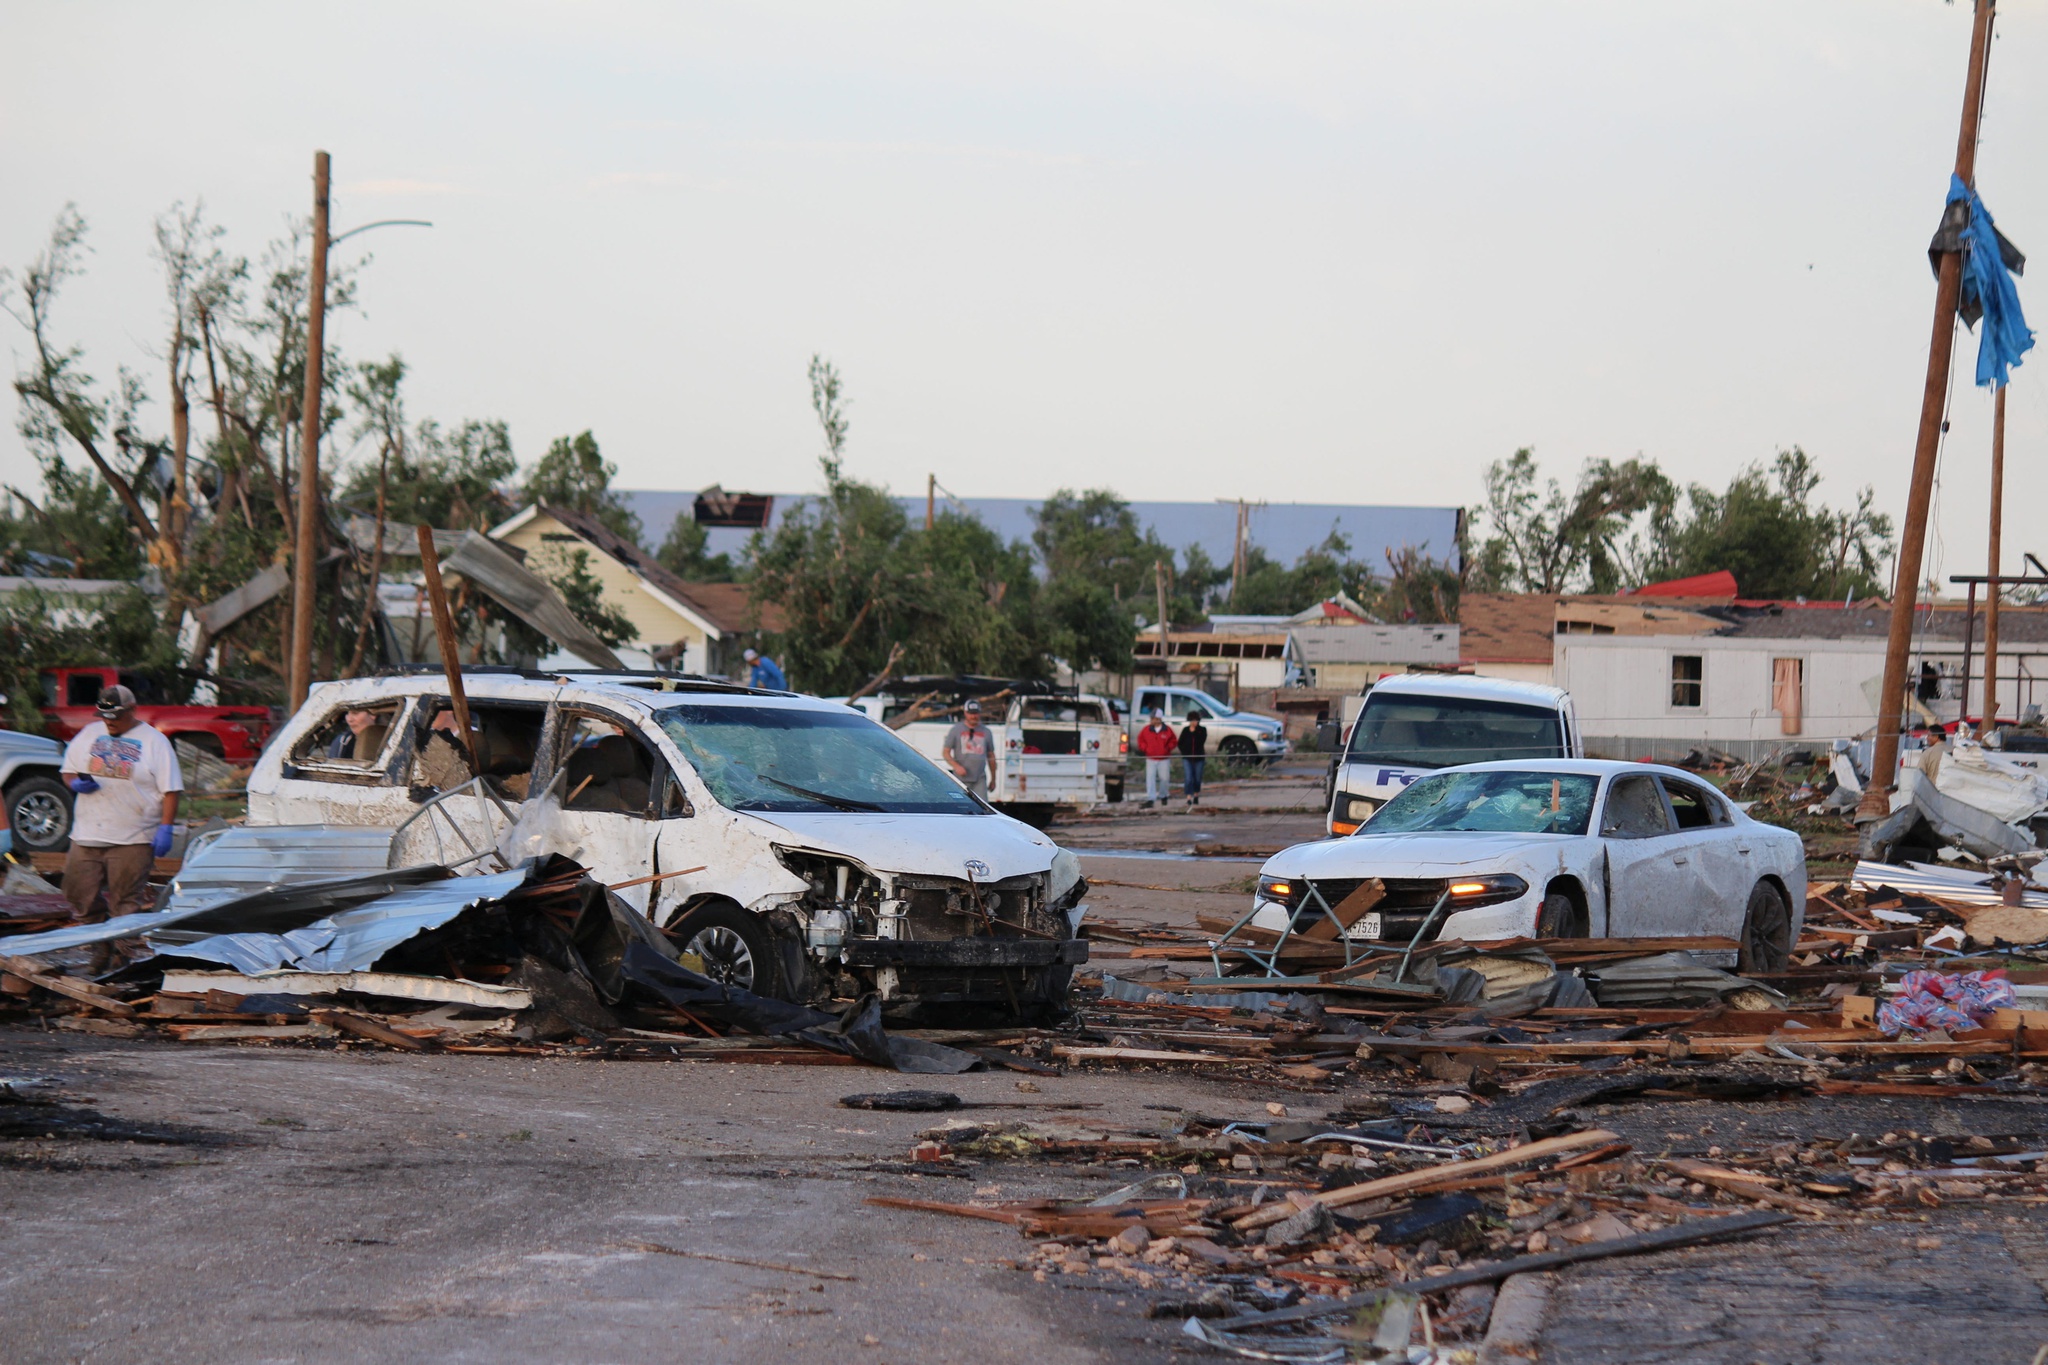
column 929, row 1151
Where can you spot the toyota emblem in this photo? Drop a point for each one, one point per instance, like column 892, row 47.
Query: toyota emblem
column 976, row 868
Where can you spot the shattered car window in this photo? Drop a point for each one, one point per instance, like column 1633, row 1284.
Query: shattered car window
column 786, row 759
column 1497, row 802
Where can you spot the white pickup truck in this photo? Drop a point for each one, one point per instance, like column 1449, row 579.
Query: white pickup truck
column 1418, row 722
column 1058, row 748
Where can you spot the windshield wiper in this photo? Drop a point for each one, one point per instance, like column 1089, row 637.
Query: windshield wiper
column 841, row 802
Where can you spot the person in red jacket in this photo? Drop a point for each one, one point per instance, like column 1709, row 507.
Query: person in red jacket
column 1156, row 742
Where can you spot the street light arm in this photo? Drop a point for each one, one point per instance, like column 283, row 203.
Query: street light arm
column 382, row 222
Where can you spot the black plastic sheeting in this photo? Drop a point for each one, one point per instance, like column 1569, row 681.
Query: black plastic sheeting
column 857, row 1033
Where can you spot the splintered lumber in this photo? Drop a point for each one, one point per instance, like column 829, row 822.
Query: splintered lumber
column 1007, row 1214
column 83, row 993
column 1139, row 1054
column 362, row 1026
column 1678, row 1235
column 1348, row 911
column 1741, row 1183
column 1409, row 1182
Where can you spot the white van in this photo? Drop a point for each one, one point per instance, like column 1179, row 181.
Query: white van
column 1414, row 723
column 797, row 847
column 1059, row 749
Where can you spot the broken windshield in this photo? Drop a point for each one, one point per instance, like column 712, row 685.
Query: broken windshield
column 777, row 758
column 1496, row 802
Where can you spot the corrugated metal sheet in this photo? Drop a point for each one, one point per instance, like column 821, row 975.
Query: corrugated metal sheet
column 1965, row 886
column 353, row 940
column 250, row 858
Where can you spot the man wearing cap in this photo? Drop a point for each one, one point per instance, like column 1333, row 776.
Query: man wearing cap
column 763, row 673
column 1156, row 742
column 127, row 781
column 970, row 746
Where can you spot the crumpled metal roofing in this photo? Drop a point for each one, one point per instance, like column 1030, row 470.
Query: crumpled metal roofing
column 246, row 859
column 353, row 940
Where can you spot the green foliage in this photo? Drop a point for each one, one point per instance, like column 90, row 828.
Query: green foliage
column 453, row 479
column 1768, row 530
column 575, row 475
column 1626, row 525
column 39, row 631
column 683, row 553
column 1546, row 540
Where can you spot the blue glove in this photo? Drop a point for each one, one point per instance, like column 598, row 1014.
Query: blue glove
column 6, row 842
column 161, row 845
column 82, row 785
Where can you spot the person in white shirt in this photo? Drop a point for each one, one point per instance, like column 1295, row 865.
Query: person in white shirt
column 127, row 781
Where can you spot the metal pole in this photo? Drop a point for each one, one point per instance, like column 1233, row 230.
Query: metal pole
column 1969, row 639
column 1913, row 535
column 1991, row 588
column 444, row 631
column 931, row 501
column 307, row 549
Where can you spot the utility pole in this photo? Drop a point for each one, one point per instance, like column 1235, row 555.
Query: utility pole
column 1244, row 516
column 1990, row 720
column 1159, row 582
column 931, row 501
column 1913, row 535
column 307, row 549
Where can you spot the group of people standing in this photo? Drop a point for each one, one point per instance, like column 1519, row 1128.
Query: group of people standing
column 1158, row 743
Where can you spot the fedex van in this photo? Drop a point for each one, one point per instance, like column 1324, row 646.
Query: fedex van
column 1415, row 723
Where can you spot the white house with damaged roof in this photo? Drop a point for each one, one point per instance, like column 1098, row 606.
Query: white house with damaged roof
column 702, row 627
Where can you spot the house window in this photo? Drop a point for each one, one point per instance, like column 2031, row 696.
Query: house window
column 1688, row 675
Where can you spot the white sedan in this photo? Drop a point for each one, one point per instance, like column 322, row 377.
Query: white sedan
column 1562, row 848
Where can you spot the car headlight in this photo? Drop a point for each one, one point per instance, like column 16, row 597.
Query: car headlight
column 1356, row 810
column 1467, row 892
column 1282, row 890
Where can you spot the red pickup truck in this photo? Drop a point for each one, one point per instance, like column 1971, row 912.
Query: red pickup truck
column 235, row 734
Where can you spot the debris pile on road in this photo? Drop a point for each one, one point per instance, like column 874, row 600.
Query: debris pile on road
column 540, row 958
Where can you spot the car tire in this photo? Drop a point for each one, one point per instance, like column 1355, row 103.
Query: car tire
column 39, row 811
column 1766, row 931
column 1237, row 746
column 1559, row 917
column 734, row 945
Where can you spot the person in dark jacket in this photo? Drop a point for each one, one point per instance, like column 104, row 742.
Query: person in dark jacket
column 1194, row 756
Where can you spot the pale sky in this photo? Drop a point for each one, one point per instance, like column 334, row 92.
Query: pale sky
column 1343, row 252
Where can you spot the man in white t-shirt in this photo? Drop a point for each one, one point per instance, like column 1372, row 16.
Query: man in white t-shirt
column 127, row 781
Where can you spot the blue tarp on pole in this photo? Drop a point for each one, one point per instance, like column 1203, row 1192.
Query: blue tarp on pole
column 1988, row 287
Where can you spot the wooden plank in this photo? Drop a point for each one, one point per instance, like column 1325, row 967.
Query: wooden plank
column 28, row 970
column 1411, row 1181
column 1348, row 911
column 1140, row 1054
column 362, row 1026
column 1742, row 1184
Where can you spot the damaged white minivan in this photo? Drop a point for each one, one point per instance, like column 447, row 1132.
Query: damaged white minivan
column 795, row 846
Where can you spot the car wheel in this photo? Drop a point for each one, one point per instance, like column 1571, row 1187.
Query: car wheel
column 1237, row 746
column 1559, row 917
column 732, row 944
column 1766, row 931
column 39, row 809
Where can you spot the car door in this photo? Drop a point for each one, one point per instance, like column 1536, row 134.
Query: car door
column 1649, row 877
column 612, row 790
column 1722, row 856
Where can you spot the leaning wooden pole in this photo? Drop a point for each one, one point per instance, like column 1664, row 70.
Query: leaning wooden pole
column 307, row 550
column 444, row 631
column 1933, row 398
column 1990, row 721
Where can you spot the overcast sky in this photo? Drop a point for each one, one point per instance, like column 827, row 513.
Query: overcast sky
column 1345, row 252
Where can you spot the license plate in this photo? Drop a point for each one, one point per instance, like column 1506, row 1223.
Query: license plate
column 1366, row 926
